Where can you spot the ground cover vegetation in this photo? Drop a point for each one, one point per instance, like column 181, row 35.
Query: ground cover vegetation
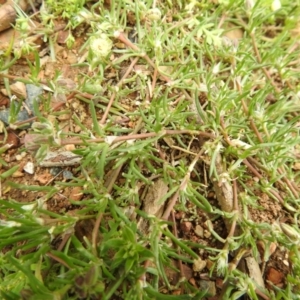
column 150, row 149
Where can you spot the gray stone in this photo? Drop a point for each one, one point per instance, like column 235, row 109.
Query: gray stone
column 33, row 92
column 209, row 286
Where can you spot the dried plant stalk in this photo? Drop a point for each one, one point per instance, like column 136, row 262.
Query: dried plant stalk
column 224, row 194
column 223, row 190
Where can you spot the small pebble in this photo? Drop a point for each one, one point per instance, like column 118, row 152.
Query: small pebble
column 209, row 286
column 29, row 168
column 199, row 264
column 285, row 262
column 67, row 175
column 55, row 171
column 18, row 157
column 199, row 231
column 69, row 147
column 186, row 227
column 207, row 234
column 17, row 174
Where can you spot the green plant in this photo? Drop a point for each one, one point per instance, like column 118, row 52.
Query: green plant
column 170, row 95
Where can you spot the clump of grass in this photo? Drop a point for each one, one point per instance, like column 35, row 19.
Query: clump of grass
column 200, row 103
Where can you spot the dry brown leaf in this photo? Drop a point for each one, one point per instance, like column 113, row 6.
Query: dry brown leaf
column 11, row 139
column 275, row 276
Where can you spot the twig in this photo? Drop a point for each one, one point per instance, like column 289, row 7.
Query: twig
column 95, row 232
column 173, row 200
column 77, row 141
column 226, row 137
column 252, row 169
column 289, row 183
column 234, row 208
column 119, row 35
column 109, row 183
column 259, row 60
column 246, row 111
column 254, row 128
column 55, row 108
column 58, row 259
column 154, row 81
column 277, row 196
column 178, row 250
column 112, row 98
column 182, row 187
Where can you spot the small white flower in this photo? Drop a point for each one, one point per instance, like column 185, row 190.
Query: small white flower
column 40, row 221
column 130, row 142
column 117, row 33
column 222, row 263
column 276, row 4
column 154, row 14
column 191, row 6
column 203, row 87
column 29, row 207
column 259, row 114
column 240, row 144
column 216, row 68
column 100, row 46
column 9, row 224
column 51, row 230
column 157, row 44
column 249, row 4
column 224, row 177
column 219, row 147
column 110, row 139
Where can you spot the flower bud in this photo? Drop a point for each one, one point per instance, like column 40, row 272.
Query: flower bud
column 291, row 232
column 154, row 14
column 276, row 4
column 249, row 4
